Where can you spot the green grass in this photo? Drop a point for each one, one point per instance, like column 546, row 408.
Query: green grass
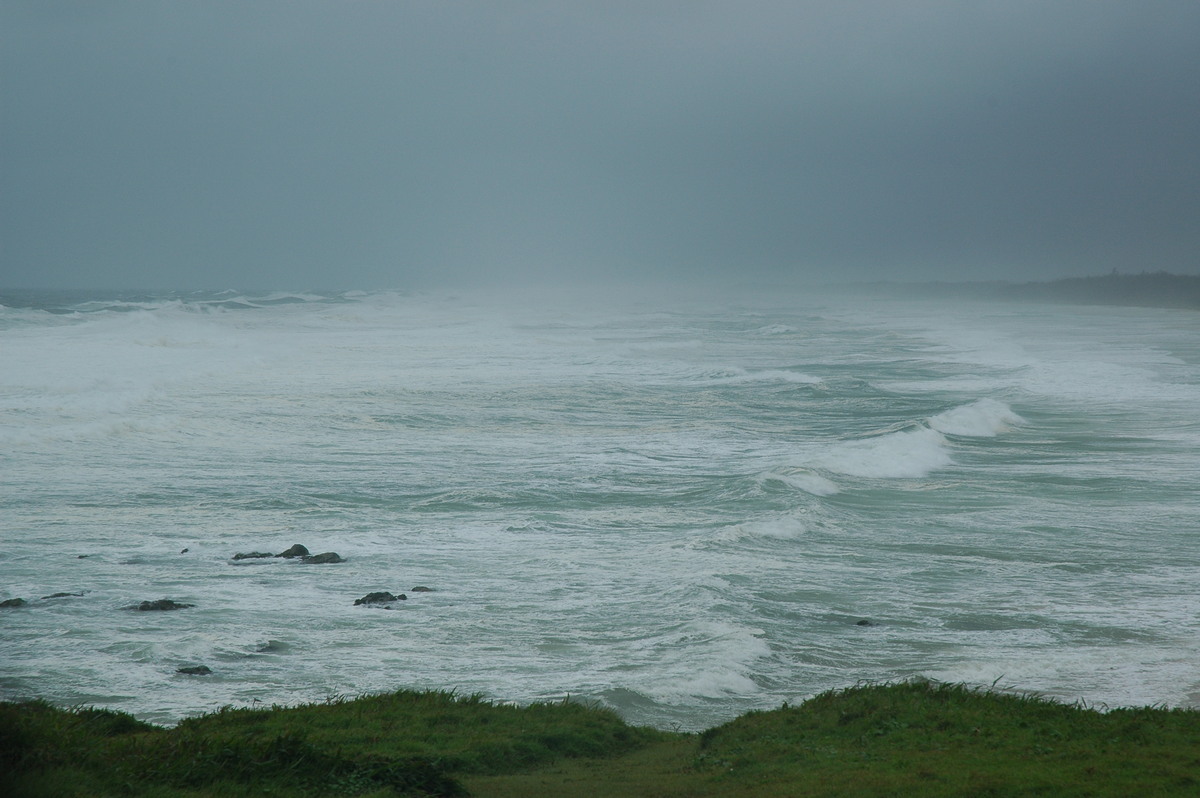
column 908, row 739
column 943, row 740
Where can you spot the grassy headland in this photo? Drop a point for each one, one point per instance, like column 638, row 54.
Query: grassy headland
column 909, row 739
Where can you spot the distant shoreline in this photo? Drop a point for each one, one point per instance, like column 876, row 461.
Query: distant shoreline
column 1147, row 289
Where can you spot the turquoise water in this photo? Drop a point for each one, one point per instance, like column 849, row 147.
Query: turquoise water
column 683, row 508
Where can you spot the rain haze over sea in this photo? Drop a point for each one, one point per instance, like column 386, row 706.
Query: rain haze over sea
column 683, row 508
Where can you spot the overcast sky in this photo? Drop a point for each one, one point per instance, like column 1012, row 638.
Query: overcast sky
column 361, row 144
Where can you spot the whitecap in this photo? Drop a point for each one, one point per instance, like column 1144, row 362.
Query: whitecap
column 985, row 418
column 776, row 329
column 714, row 660
column 780, row 528
column 905, row 454
column 806, row 481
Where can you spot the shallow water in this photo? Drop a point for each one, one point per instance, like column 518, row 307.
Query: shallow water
column 683, row 509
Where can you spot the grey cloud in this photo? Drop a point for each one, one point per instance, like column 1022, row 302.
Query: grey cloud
column 376, row 144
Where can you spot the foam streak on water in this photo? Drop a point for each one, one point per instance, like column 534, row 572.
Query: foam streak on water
column 681, row 509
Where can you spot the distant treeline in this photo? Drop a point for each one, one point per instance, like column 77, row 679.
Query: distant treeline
column 1151, row 289
column 1147, row 289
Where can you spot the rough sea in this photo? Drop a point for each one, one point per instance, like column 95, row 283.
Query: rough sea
column 683, row 508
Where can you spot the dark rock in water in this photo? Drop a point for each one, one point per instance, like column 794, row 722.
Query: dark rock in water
column 195, row 670
column 382, row 597
column 13, row 602
column 295, row 551
column 255, row 555
column 60, row 595
column 184, row 551
column 83, row 556
column 864, row 622
column 160, row 605
column 318, row 559
column 421, row 589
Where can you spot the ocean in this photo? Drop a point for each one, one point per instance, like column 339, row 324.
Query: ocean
column 681, row 507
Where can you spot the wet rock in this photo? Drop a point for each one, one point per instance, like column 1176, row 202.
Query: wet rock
column 864, row 622
column 421, row 589
column 60, row 595
column 381, row 597
column 254, row 555
column 184, row 551
column 324, row 557
column 295, row 551
column 13, row 602
column 161, row 605
column 195, row 670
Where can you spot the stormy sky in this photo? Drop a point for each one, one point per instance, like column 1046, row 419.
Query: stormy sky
column 361, row 144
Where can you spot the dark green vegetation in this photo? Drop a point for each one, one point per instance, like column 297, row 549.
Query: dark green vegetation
column 911, row 739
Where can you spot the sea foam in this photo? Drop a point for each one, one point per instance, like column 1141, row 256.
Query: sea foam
column 922, row 449
column 905, row 454
column 737, row 376
column 606, row 502
column 804, row 480
column 985, row 418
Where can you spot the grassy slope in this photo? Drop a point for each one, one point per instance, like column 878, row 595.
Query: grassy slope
column 905, row 739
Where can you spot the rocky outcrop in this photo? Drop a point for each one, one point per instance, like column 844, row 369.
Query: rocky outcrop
column 421, row 589
column 324, row 557
column 60, row 595
column 195, row 670
column 297, row 551
column 13, row 602
column 161, row 605
column 381, row 597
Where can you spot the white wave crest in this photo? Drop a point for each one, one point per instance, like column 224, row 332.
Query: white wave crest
column 710, row 659
column 806, row 481
column 786, row 527
column 985, row 418
column 905, row 454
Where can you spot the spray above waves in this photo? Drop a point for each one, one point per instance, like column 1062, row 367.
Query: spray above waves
column 78, row 306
